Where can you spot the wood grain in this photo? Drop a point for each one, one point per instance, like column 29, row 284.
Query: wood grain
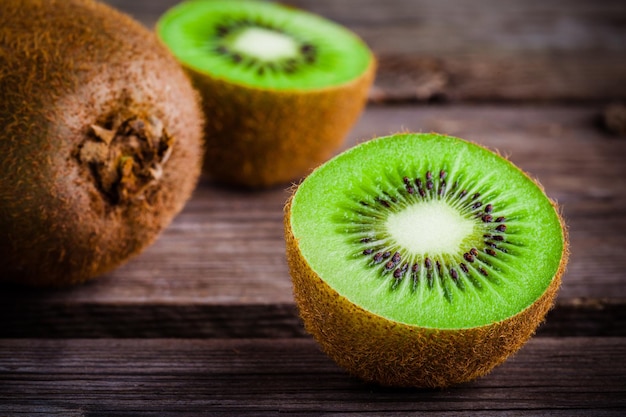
column 514, row 50
column 219, row 270
column 262, row 377
column 227, row 246
column 203, row 322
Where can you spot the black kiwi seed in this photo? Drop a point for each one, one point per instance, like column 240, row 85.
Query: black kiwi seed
column 454, row 274
column 378, row 258
column 427, row 263
column 222, row 30
column 383, row 202
column 396, row 262
column 307, row 48
column 399, row 272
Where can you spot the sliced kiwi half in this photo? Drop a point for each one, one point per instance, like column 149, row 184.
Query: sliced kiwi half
column 281, row 87
column 421, row 259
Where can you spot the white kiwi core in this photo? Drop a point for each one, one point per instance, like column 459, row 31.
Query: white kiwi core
column 265, row 44
column 431, row 227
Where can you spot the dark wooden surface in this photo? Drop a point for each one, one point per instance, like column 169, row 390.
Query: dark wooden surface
column 203, row 322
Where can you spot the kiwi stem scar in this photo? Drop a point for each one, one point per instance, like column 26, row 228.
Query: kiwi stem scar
column 125, row 158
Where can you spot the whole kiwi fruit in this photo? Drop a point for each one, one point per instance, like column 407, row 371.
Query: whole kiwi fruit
column 280, row 87
column 422, row 260
column 100, row 140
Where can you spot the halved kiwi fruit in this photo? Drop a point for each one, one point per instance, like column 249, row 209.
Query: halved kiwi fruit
column 421, row 259
column 281, row 87
column 100, row 139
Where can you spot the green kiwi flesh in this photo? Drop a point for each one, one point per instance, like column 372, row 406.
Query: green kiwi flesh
column 421, row 259
column 281, row 87
column 100, row 140
column 263, row 45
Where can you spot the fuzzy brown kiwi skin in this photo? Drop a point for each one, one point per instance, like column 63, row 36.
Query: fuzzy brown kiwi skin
column 390, row 353
column 66, row 65
column 259, row 138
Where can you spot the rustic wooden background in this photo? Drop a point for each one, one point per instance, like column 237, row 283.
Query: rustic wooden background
column 203, row 322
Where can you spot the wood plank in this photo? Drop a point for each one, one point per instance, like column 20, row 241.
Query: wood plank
column 220, row 270
column 167, row 377
column 515, row 50
column 227, row 248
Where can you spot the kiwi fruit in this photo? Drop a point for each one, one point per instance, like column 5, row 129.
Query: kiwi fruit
column 281, row 87
column 422, row 260
column 100, row 140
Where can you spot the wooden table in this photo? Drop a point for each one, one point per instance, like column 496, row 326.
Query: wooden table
column 203, row 322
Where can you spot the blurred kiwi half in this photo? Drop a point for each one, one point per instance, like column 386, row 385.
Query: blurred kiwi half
column 281, row 87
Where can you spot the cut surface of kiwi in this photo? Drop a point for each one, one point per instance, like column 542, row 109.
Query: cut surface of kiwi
column 100, row 140
column 438, row 236
column 281, row 87
column 263, row 44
